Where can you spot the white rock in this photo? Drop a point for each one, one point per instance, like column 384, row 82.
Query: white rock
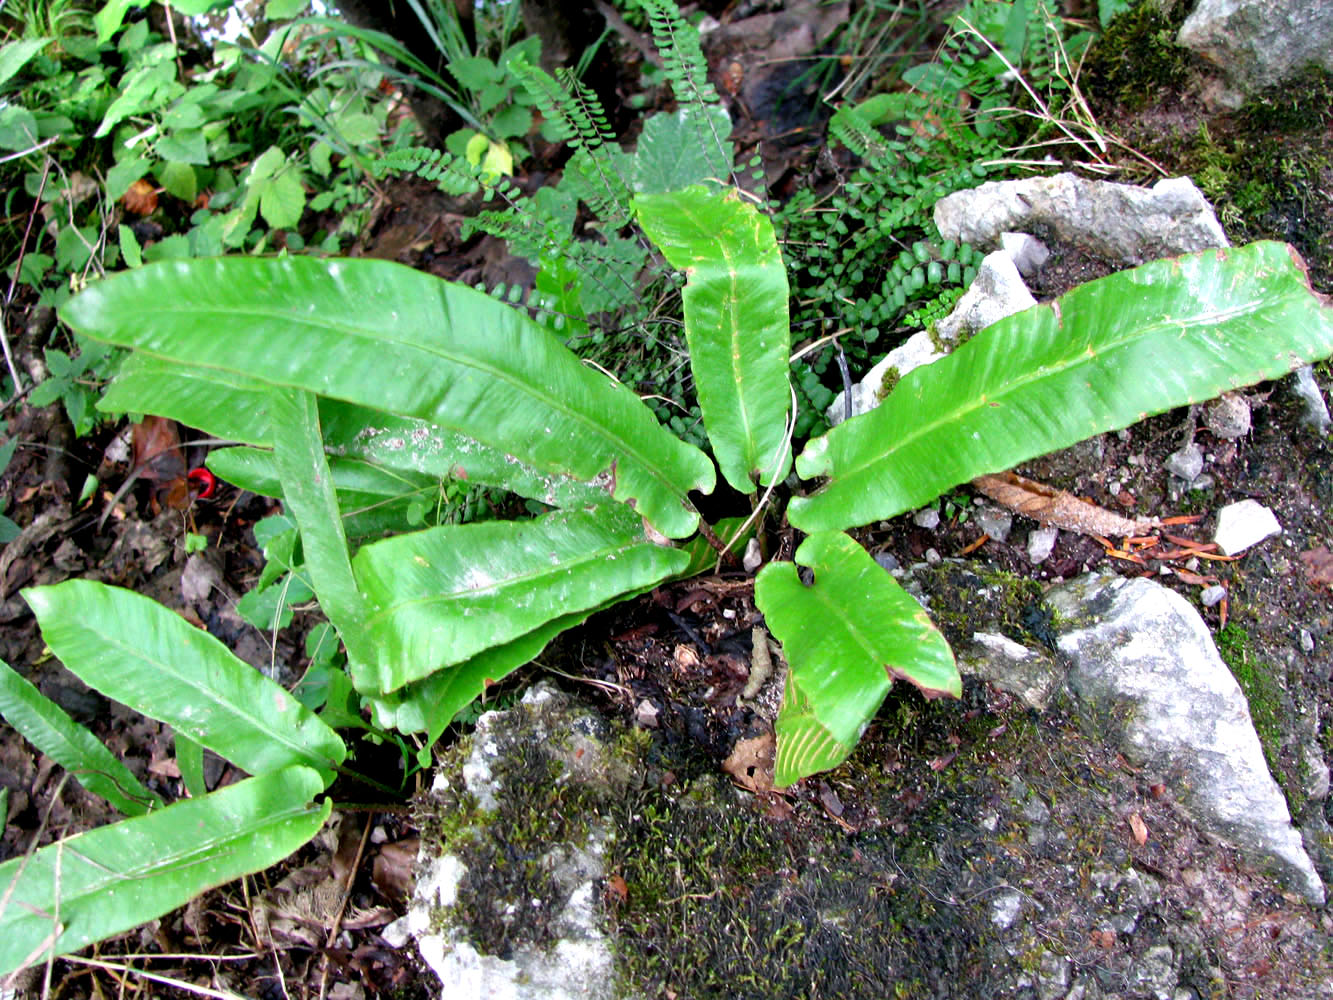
column 1186, row 463
column 1031, row 674
column 1259, row 43
column 1141, row 649
column 996, row 292
column 1228, row 417
column 1316, row 410
column 994, row 521
column 1244, row 524
column 1041, row 543
column 753, row 557
column 916, row 351
column 1027, row 252
column 1121, row 222
column 927, row 517
column 1005, row 908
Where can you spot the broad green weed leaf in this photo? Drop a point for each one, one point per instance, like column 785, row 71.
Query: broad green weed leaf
column 735, row 322
column 45, row 725
column 384, row 336
column 283, row 200
column 870, row 632
column 15, row 55
column 108, row 880
column 1101, row 357
column 179, row 179
column 134, row 650
column 677, row 149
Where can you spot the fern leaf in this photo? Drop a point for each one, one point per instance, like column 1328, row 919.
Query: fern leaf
column 453, row 174
column 682, row 58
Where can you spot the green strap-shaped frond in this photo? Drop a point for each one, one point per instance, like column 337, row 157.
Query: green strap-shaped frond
column 846, row 638
column 386, row 337
column 735, row 323
column 1101, row 357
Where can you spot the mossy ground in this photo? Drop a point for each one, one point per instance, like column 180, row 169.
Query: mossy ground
column 1265, row 167
column 948, row 816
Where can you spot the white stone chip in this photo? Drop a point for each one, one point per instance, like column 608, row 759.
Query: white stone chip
column 1243, row 525
column 1041, row 543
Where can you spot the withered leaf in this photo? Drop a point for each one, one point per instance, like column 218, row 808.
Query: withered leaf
column 1318, row 564
column 1056, row 508
column 751, row 762
column 141, row 198
column 157, row 450
column 1137, row 828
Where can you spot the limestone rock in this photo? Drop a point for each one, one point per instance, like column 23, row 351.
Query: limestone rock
column 1244, row 524
column 1187, row 463
column 1136, row 645
column 1121, row 222
column 1259, row 43
column 1316, row 410
column 578, row 963
column 1041, row 543
column 1027, row 252
column 916, row 351
column 996, row 292
column 1228, row 417
column 1030, row 674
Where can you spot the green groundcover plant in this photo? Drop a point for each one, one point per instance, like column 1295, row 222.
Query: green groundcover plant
column 334, row 374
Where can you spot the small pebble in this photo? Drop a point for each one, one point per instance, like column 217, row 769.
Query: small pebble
column 753, row 556
column 1228, row 417
column 927, row 517
column 1186, row 463
column 994, row 521
column 1307, row 641
column 1041, row 543
column 1213, row 595
column 886, row 560
column 933, row 558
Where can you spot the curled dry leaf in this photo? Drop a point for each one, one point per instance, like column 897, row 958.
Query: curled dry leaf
column 1318, row 563
column 751, row 762
column 1138, row 828
column 157, row 450
column 1057, row 508
column 141, row 198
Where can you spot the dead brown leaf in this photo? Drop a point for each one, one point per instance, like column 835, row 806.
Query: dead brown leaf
column 751, row 763
column 141, row 198
column 1318, row 563
column 1138, row 828
column 1056, row 508
column 157, row 450
column 393, row 870
column 617, row 889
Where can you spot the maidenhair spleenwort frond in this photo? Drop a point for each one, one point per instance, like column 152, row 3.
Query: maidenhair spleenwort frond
column 453, row 174
column 852, row 129
column 686, row 68
column 580, row 121
column 682, row 58
column 572, row 107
